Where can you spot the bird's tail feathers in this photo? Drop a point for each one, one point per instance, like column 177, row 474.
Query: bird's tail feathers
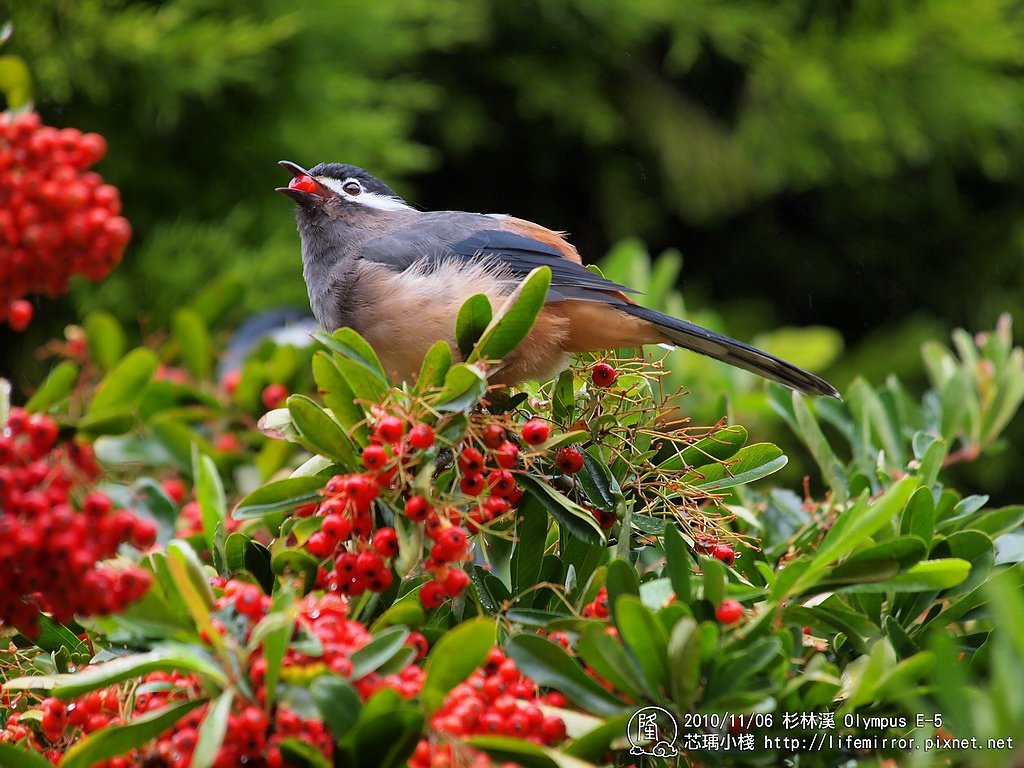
column 733, row 352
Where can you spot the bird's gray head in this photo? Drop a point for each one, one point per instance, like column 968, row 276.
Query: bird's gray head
column 339, row 192
column 339, row 206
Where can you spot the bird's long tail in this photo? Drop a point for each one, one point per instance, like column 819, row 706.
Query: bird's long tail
column 731, row 351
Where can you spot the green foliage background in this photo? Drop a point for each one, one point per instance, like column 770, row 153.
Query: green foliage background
column 857, row 164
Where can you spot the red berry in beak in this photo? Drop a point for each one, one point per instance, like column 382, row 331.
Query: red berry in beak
column 303, row 184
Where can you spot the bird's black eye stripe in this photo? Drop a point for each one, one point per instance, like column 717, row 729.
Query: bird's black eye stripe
column 352, row 187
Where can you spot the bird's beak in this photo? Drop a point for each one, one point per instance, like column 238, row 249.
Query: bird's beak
column 304, row 189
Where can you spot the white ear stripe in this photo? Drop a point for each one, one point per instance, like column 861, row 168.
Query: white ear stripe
column 369, row 199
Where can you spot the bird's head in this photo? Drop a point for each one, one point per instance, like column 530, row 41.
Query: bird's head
column 338, row 190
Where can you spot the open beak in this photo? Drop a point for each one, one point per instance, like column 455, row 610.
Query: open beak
column 303, row 189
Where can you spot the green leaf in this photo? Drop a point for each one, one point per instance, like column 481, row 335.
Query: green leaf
column 338, row 702
column 550, row 666
column 339, row 396
column 452, row 659
column 408, row 612
column 54, row 389
column 116, row 740
column 106, row 338
column 514, row 319
column 570, row 515
column 594, row 744
column 620, row 580
column 719, row 446
column 193, row 338
column 5, row 401
column 645, row 637
column 918, row 517
column 464, row 386
column 474, row 316
column 12, row 756
column 749, row 464
column 606, row 657
column 528, row 553
column 378, row 651
column 820, row 449
column 212, row 731
column 855, row 526
column 599, row 483
column 714, row 579
column 563, row 398
column 299, row 563
column 318, row 432
column 929, row 575
column 123, row 385
column 15, row 82
column 436, row 364
column 166, row 658
column 351, row 346
column 684, row 655
column 279, row 496
column 524, row 753
column 53, row 636
column 302, row 753
column 677, row 561
column 210, row 495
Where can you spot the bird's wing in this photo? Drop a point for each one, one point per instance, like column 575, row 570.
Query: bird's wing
column 435, row 239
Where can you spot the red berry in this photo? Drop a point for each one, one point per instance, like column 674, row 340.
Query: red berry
column 421, row 437
column 603, row 375
column 473, row 484
column 454, row 582
column 336, row 527
column 471, row 461
column 729, row 611
column 304, row 184
column 535, row 432
column 431, row 595
column 494, row 436
column 174, row 488
column 19, row 315
column 417, row 508
column 569, row 459
column 274, row 395
column 390, row 429
column 724, row 553
column 507, row 455
column 385, row 542
column 374, row 457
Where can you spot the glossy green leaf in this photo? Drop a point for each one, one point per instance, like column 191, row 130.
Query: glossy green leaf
column 749, row 464
column 121, row 387
column 212, row 731
column 279, row 496
column 338, row 702
column 318, row 432
column 549, row 665
column 210, row 495
column 474, row 316
column 684, row 656
column 514, row 319
column 378, row 651
column 337, row 395
column 106, row 339
column 166, row 658
column 464, row 386
column 118, row 739
column 436, row 364
column 608, row 658
column 455, row 656
column 645, row 637
column 721, row 445
column 677, row 563
column 570, row 515
column 193, row 338
column 351, row 346
column 55, row 389
column 296, row 562
column 12, row 756
column 528, row 552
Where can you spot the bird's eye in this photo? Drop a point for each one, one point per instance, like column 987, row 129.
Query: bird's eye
column 352, row 188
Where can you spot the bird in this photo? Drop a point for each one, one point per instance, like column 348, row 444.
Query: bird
column 398, row 276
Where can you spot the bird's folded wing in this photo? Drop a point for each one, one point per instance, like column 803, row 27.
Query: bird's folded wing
column 432, row 242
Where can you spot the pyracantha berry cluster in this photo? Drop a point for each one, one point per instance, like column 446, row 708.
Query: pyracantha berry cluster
column 57, row 219
column 598, row 607
column 54, row 531
column 496, row 700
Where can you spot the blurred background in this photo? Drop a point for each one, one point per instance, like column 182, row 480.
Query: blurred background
column 851, row 164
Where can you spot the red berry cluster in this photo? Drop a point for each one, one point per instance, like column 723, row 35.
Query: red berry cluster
column 49, row 544
column 598, row 607
column 722, row 552
column 56, row 218
column 496, row 699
